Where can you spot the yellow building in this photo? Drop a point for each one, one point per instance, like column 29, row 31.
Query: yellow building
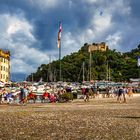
column 97, row 47
column 4, row 66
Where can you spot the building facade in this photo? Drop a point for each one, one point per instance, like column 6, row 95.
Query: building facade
column 97, row 47
column 4, row 66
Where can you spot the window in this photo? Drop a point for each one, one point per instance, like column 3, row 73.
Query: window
column 6, row 78
column 1, row 68
column 6, row 61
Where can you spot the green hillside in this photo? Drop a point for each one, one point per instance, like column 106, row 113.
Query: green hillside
column 109, row 65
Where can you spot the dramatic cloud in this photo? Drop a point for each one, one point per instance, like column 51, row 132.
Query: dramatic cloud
column 29, row 28
column 46, row 3
column 113, row 40
column 16, row 36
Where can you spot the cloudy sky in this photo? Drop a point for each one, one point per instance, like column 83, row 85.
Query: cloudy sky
column 28, row 28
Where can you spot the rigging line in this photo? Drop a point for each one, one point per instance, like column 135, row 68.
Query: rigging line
column 80, row 72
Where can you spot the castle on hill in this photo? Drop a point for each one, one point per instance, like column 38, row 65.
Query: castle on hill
column 98, row 47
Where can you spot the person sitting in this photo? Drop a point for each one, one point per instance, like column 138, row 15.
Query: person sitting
column 45, row 95
column 31, row 95
column 9, row 97
column 52, row 98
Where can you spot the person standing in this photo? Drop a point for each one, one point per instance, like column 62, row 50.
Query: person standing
column 130, row 92
column 125, row 91
column 84, row 92
column 87, row 94
column 21, row 95
column 120, row 92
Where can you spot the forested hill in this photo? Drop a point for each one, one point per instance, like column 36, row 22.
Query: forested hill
column 109, row 65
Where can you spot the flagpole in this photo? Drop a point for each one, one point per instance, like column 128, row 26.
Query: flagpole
column 59, row 47
column 60, row 61
column 89, row 71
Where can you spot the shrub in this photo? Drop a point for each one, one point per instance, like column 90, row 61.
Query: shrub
column 67, row 96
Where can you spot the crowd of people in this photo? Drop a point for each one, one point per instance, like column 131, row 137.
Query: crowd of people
column 119, row 92
column 61, row 93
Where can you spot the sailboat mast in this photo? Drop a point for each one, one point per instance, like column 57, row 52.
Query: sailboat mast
column 83, row 71
column 108, row 76
column 90, row 67
column 107, row 73
column 50, row 70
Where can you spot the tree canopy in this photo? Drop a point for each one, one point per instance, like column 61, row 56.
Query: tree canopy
column 109, row 65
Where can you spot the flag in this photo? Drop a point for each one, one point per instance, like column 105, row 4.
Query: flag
column 138, row 62
column 59, row 34
column 58, row 43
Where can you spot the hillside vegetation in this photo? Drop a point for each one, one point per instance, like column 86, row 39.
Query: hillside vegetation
column 109, row 65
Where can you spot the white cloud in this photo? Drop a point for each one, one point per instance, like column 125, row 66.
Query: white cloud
column 19, row 66
column 15, row 26
column 114, row 40
column 91, row 1
column 99, row 28
column 16, row 36
column 120, row 6
column 45, row 4
column 101, row 23
column 70, row 43
column 30, row 54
